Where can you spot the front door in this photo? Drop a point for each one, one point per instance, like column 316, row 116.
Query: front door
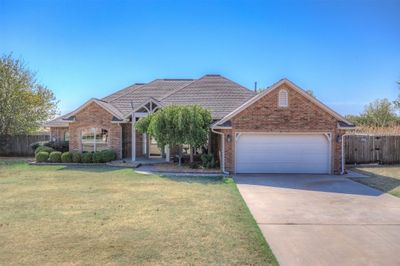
column 154, row 150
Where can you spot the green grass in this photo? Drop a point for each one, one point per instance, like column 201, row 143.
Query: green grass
column 383, row 178
column 102, row 215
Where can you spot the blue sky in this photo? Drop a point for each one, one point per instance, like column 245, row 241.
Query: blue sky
column 347, row 52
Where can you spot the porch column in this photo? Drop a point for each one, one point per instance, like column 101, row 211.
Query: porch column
column 133, row 138
column 167, row 156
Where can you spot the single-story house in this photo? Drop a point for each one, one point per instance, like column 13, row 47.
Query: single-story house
column 282, row 129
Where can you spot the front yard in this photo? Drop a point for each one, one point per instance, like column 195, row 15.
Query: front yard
column 383, row 178
column 103, row 215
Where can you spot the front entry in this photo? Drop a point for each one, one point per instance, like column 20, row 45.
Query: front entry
column 154, row 150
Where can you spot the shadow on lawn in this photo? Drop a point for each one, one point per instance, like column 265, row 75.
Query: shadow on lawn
column 381, row 182
column 89, row 168
column 212, row 180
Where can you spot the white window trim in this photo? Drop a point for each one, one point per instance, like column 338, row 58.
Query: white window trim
column 93, row 129
column 283, row 98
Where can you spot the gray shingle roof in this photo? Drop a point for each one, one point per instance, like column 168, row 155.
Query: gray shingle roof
column 216, row 93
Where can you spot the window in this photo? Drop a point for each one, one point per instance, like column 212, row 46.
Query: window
column 66, row 136
column 94, row 139
column 283, row 98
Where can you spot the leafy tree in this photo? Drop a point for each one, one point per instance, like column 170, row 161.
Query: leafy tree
column 397, row 101
column 379, row 113
column 310, row 92
column 24, row 103
column 177, row 125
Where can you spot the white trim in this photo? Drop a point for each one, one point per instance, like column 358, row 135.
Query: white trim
column 326, row 134
column 222, row 163
column 283, row 98
column 133, row 139
column 273, row 87
column 99, row 103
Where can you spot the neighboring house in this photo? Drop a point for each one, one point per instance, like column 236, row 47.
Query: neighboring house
column 280, row 130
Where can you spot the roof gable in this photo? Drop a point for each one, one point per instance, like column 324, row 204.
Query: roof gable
column 274, row 87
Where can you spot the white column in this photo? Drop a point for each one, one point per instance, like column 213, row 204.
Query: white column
column 133, row 138
column 167, row 156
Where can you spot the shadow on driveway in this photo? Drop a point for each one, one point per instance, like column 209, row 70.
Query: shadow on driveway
column 310, row 182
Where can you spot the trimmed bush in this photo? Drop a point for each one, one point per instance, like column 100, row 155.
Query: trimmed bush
column 36, row 145
column 108, row 155
column 87, row 157
column 76, row 157
column 55, row 157
column 66, row 157
column 44, row 148
column 58, row 145
column 98, row 157
column 42, row 156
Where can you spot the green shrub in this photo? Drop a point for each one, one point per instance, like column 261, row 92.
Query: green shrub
column 76, row 157
column 58, row 145
column 66, row 157
column 98, row 157
column 87, row 157
column 43, row 148
column 35, row 145
column 108, row 155
column 55, row 157
column 42, row 156
column 208, row 160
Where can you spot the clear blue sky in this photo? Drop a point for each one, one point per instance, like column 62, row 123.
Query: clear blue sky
column 347, row 52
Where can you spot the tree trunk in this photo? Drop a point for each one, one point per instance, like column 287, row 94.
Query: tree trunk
column 191, row 154
column 180, row 155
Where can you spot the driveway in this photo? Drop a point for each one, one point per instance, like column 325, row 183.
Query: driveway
column 323, row 220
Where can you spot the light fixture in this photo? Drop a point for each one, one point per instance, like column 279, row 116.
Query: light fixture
column 229, row 137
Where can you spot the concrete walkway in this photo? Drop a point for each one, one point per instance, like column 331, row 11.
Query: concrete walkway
column 324, row 220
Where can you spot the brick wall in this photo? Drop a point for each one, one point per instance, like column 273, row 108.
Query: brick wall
column 301, row 115
column 95, row 116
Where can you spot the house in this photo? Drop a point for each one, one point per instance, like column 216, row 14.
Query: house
column 280, row 130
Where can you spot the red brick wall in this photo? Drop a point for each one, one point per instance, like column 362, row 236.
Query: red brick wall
column 95, row 116
column 301, row 115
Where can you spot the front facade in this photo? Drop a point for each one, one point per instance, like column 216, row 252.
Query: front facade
column 280, row 130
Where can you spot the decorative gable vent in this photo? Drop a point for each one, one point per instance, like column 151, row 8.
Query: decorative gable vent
column 283, row 98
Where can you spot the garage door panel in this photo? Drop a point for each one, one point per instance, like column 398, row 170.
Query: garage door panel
column 266, row 153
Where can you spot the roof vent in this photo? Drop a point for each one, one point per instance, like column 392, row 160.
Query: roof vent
column 212, row 75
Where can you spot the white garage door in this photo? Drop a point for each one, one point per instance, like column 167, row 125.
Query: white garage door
column 266, row 153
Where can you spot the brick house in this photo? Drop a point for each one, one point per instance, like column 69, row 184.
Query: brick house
column 280, row 130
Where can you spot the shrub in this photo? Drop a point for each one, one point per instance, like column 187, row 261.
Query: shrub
column 76, row 157
column 66, row 157
column 42, row 156
column 58, row 145
column 36, row 145
column 55, row 157
column 44, row 148
column 108, row 155
column 87, row 157
column 194, row 165
column 98, row 157
column 208, row 160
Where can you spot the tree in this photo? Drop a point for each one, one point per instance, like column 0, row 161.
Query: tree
column 24, row 103
column 379, row 113
column 397, row 101
column 177, row 125
column 310, row 92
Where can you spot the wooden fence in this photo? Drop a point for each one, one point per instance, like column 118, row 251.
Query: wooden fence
column 372, row 149
column 19, row 145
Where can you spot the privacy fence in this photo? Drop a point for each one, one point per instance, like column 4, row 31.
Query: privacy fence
column 372, row 149
column 19, row 145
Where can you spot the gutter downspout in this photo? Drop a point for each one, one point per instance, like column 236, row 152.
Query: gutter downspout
column 223, row 150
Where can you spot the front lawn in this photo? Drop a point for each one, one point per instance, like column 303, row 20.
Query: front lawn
column 383, row 178
column 104, row 215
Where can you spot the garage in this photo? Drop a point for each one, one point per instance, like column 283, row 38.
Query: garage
column 282, row 153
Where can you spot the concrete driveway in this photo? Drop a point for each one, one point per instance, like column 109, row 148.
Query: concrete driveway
column 324, row 220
